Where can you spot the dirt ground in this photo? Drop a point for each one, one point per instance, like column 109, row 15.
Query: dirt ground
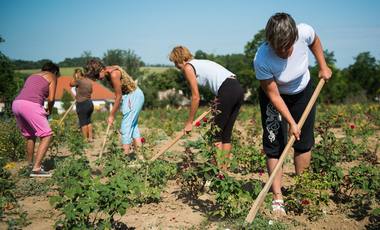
column 177, row 212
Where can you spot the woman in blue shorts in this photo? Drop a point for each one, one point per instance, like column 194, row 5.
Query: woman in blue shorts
column 128, row 94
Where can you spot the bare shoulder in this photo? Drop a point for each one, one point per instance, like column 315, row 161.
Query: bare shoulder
column 48, row 76
column 189, row 70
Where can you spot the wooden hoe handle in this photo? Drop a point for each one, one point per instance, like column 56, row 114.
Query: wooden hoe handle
column 104, row 142
column 72, row 105
column 256, row 205
column 180, row 136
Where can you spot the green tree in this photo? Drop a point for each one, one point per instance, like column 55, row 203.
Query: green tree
column 9, row 87
column 200, row 55
column 364, row 75
column 128, row 60
column 86, row 55
column 155, row 82
column 132, row 64
column 253, row 46
column 114, row 57
column 336, row 89
column 66, row 99
column 71, row 62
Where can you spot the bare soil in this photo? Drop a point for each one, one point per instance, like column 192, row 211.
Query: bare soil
column 178, row 212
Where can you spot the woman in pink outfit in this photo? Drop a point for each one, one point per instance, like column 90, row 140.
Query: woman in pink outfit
column 28, row 109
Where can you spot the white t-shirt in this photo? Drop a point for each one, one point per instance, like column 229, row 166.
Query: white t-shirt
column 292, row 75
column 210, row 74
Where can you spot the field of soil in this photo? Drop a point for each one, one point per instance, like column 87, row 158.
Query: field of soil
column 178, row 212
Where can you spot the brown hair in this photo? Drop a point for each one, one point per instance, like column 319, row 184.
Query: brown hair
column 180, row 54
column 281, row 31
column 93, row 67
column 78, row 74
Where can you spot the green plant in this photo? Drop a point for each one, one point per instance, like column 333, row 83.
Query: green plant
column 85, row 198
column 21, row 221
column 77, row 143
column 234, row 201
column 69, row 172
column 363, row 177
column 7, row 184
column 32, row 187
column 66, row 99
column 309, row 195
column 189, row 178
column 12, row 142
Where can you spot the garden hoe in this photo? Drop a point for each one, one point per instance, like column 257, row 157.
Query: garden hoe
column 72, row 105
column 180, row 136
column 168, row 146
column 252, row 213
column 104, row 142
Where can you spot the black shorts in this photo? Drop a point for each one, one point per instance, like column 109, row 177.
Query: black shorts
column 230, row 98
column 84, row 112
column 275, row 127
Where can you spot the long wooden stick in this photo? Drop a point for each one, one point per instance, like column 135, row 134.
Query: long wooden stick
column 104, row 142
column 72, row 105
column 252, row 213
column 180, row 136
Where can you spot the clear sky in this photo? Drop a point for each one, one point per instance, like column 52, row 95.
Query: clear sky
column 59, row 29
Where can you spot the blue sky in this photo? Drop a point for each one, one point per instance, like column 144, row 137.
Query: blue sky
column 35, row 30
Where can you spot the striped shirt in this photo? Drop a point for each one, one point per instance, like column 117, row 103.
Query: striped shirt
column 36, row 89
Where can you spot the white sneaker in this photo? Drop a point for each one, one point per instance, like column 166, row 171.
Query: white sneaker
column 39, row 173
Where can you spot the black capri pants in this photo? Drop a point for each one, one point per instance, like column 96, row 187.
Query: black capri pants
column 275, row 127
column 84, row 112
column 230, row 98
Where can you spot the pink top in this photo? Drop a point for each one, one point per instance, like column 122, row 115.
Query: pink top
column 36, row 89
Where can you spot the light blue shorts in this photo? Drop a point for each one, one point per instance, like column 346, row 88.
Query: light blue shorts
column 131, row 106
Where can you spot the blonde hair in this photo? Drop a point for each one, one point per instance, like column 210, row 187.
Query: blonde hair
column 180, row 54
column 281, row 31
column 78, row 74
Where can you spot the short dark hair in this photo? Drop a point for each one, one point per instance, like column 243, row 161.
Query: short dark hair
column 51, row 67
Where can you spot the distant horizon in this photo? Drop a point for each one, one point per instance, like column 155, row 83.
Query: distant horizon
column 55, row 30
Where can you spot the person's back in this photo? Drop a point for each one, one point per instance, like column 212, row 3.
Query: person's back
column 83, row 89
column 30, row 114
column 36, row 89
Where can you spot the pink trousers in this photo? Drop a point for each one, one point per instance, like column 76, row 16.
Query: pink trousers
column 31, row 118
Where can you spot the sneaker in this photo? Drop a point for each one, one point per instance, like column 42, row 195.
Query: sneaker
column 39, row 173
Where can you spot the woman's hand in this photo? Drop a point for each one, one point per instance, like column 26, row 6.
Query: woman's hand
column 293, row 130
column 188, row 128
column 325, row 74
column 110, row 120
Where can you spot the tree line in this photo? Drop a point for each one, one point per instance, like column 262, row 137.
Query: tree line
column 359, row 81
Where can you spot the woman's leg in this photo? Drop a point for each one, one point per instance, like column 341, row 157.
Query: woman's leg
column 42, row 149
column 84, row 131
column 30, row 143
column 126, row 148
column 276, row 186
column 89, row 129
column 223, row 147
column 301, row 161
column 137, row 145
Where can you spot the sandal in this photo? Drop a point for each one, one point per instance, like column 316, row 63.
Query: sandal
column 276, row 206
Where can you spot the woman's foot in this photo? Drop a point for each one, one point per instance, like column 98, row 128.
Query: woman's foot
column 139, row 157
column 278, row 208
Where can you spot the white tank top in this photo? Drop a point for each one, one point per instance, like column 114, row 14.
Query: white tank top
column 210, row 74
